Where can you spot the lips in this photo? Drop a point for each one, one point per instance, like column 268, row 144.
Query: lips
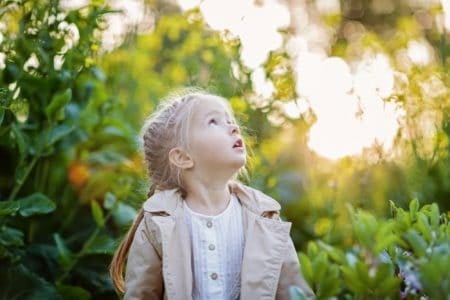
column 238, row 144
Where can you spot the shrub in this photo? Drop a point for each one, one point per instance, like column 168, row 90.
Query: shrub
column 64, row 154
column 404, row 257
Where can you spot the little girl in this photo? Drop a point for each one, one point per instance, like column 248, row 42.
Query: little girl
column 201, row 235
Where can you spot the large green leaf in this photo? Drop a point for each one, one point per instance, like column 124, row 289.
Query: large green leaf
column 306, row 267
column 124, row 214
column 65, row 255
column 8, row 208
column 18, row 282
column 296, row 293
column 2, row 114
column 97, row 213
column 417, row 242
column 11, row 236
column 110, row 201
column 35, row 204
column 102, row 244
column 58, row 132
column 20, row 140
column 56, row 105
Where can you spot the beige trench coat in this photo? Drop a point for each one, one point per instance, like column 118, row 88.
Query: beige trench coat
column 159, row 261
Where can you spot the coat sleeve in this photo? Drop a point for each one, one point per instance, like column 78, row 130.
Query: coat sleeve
column 291, row 275
column 143, row 277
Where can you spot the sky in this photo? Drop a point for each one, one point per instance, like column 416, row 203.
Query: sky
column 347, row 97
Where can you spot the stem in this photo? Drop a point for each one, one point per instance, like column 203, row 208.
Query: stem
column 68, row 220
column 79, row 255
column 30, row 167
column 18, row 186
column 83, row 250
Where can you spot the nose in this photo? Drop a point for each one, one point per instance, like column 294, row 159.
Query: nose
column 234, row 129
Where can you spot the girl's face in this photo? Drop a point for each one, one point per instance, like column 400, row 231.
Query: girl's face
column 215, row 142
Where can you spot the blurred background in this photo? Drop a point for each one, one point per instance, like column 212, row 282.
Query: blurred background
column 345, row 105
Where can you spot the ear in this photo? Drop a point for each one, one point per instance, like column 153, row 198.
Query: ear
column 180, row 158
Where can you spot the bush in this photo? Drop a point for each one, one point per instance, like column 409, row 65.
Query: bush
column 64, row 155
column 405, row 257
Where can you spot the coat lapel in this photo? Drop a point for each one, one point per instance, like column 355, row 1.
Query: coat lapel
column 175, row 241
column 265, row 247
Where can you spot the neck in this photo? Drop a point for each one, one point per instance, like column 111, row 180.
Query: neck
column 206, row 197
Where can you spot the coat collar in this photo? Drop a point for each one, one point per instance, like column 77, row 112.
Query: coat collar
column 168, row 201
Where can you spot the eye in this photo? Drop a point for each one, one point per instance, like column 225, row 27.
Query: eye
column 212, row 121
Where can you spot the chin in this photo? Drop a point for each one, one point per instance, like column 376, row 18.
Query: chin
column 237, row 165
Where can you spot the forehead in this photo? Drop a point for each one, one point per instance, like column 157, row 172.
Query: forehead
column 211, row 105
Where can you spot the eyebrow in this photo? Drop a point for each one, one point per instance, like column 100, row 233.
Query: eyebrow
column 217, row 112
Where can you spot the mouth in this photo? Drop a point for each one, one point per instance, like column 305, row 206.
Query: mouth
column 238, row 144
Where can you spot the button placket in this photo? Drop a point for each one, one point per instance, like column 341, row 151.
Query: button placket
column 213, row 264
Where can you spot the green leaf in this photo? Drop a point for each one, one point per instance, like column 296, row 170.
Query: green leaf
column 296, row 293
column 8, row 208
column 362, row 271
column 11, row 236
column 417, row 243
column 65, row 255
column 2, row 114
column 69, row 292
column 385, row 283
column 385, row 237
column 107, row 157
column 18, row 282
column 57, row 104
column 34, row 204
column 124, row 214
column 434, row 215
column 413, row 209
column 97, row 213
column 98, row 279
column 102, row 244
column 319, row 265
column 110, row 201
column 336, row 254
column 21, row 171
column 383, row 271
column 351, row 278
column 306, row 267
column 58, row 132
column 393, row 208
column 389, row 286
column 423, row 226
column 20, row 140
column 312, row 249
column 386, row 242
column 329, row 286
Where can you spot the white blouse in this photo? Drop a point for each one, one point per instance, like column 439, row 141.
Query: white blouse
column 217, row 244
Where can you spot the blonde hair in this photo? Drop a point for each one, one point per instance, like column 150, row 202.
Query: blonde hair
column 165, row 129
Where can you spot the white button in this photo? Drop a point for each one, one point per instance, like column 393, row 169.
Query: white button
column 211, row 247
column 209, row 224
column 214, row 276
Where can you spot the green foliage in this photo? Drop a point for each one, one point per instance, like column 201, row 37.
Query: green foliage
column 179, row 52
column 404, row 257
column 59, row 133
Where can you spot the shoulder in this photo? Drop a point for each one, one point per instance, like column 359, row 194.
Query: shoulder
column 254, row 199
column 166, row 201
